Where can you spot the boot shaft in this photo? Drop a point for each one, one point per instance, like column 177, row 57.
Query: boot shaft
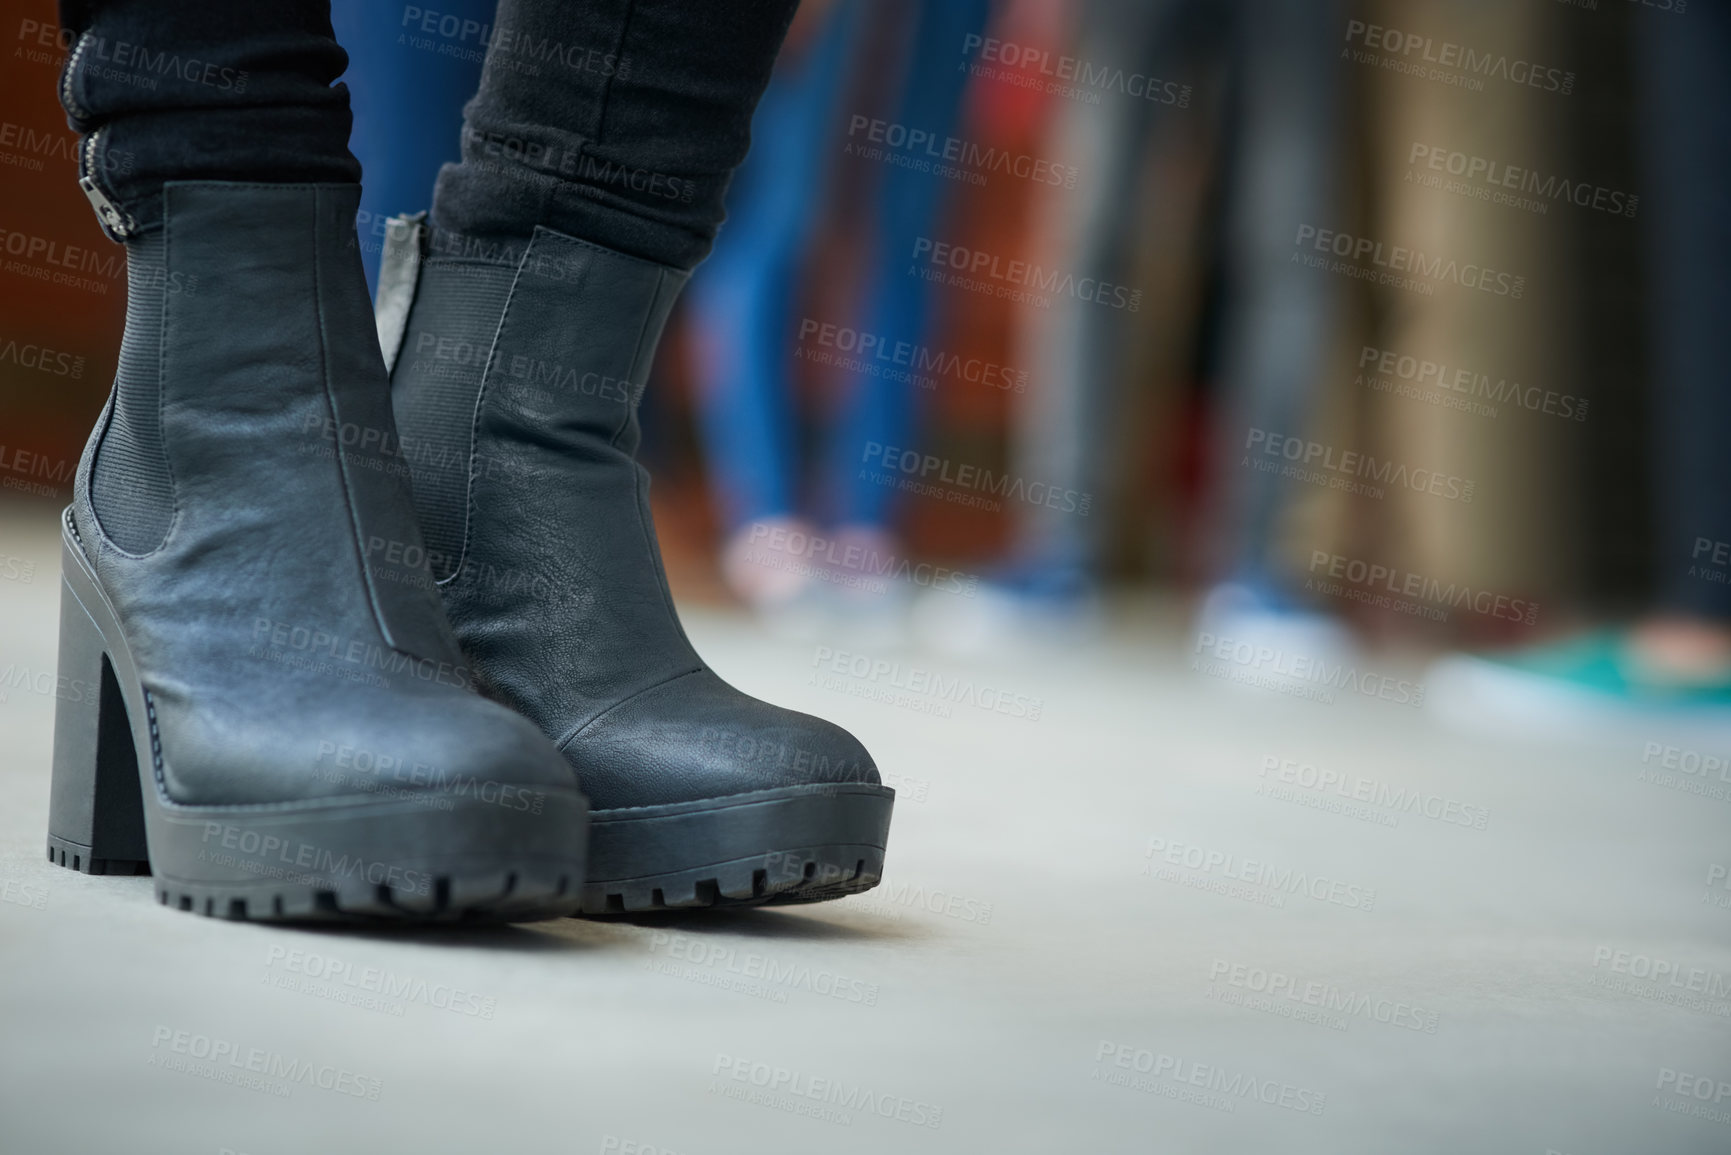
column 517, row 387
column 250, row 393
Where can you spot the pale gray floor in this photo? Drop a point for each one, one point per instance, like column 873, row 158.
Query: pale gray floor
column 1018, row 935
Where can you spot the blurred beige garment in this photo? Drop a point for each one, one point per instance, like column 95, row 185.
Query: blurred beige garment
column 1508, row 538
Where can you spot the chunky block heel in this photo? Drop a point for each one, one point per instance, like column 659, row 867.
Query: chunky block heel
column 95, row 809
column 478, row 853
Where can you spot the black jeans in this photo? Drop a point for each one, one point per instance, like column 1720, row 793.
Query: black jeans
column 617, row 121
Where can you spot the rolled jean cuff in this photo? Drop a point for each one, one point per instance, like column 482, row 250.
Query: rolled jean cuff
column 616, row 121
column 614, row 205
column 241, row 91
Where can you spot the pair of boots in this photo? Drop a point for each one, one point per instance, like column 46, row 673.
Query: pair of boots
column 342, row 640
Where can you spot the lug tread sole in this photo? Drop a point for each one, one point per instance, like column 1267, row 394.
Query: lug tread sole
column 514, row 895
column 782, row 877
column 496, row 897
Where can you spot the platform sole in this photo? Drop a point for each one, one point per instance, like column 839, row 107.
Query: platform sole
column 789, row 845
column 429, row 857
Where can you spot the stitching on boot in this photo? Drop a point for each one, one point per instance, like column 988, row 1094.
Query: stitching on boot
column 475, row 422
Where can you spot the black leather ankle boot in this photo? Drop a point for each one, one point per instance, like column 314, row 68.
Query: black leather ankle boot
column 261, row 701
column 516, row 385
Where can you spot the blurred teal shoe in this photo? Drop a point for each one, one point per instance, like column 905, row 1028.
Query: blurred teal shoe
column 1604, row 662
column 1584, row 684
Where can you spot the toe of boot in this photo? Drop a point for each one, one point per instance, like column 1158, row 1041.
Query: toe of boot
column 697, row 737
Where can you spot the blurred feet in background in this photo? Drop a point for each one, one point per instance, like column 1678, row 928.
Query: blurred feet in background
column 1027, row 312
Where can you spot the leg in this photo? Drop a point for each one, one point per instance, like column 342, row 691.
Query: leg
column 522, row 336
column 236, row 92
column 248, row 628
column 1279, row 324
column 741, row 303
column 618, row 121
column 880, row 409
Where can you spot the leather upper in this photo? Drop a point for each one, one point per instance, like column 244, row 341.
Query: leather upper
column 287, row 630
column 559, row 598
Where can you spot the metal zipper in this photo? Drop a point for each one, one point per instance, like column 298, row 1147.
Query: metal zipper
column 114, row 222
column 66, row 97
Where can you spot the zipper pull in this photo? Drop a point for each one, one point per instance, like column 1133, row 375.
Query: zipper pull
column 113, row 223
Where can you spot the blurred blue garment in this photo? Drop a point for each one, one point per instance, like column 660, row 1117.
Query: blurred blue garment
column 743, row 297
column 880, row 408
column 410, row 73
